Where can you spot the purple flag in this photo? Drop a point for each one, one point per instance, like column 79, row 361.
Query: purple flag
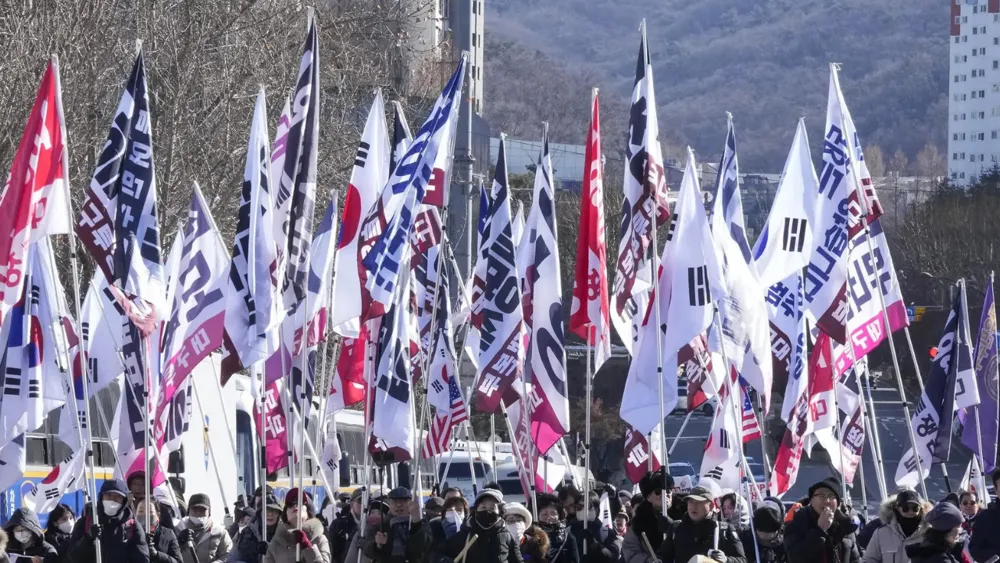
column 986, row 413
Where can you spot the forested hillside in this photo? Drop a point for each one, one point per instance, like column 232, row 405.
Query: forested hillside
column 766, row 61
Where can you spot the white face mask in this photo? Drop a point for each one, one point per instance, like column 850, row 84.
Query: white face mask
column 66, row 526
column 197, row 521
column 111, row 507
column 22, row 537
column 454, row 517
column 517, row 530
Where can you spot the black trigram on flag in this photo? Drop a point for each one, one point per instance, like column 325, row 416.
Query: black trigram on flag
column 723, row 438
column 362, row 156
column 795, row 234
column 715, row 474
column 672, row 227
column 12, row 381
column 698, row 290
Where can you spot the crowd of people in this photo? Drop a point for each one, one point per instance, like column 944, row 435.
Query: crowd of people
column 567, row 527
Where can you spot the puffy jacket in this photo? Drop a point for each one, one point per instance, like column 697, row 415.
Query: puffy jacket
column 687, row 538
column 770, row 551
column 886, row 544
column 165, row 547
column 59, row 540
column 340, row 533
column 649, row 522
column 405, row 542
column 282, row 546
column 599, row 539
column 985, row 540
column 920, row 550
column 27, row 519
column 494, row 544
column 806, row 542
column 245, row 543
column 123, row 539
column 864, row 536
column 211, row 542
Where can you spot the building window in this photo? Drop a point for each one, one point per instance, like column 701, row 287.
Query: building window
column 993, row 134
column 982, row 30
column 982, row 93
column 962, row 175
column 973, row 94
column 975, row 31
column 954, row 156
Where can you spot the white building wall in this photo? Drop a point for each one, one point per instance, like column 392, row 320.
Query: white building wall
column 973, row 89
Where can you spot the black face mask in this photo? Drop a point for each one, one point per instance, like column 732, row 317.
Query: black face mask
column 487, row 519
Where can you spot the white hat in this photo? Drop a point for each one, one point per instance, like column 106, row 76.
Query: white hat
column 518, row 510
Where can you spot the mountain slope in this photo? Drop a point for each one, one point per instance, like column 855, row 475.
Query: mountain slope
column 766, row 61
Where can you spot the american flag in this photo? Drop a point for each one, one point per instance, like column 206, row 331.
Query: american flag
column 751, row 429
column 439, row 436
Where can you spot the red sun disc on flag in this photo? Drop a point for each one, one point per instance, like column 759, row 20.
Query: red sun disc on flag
column 52, row 476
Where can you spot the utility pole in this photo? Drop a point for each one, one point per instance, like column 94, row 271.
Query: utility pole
column 461, row 226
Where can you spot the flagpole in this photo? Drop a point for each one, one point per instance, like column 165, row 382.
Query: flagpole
column 368, row 396
column 591, row 336
column 861, row 470
column 522, row 465
column 215, row 455
column 262, row 436
column 656, row 305
column 868, row 399
column 74, row 259
column 979, row 432
column 680, row 432
column 836, row 418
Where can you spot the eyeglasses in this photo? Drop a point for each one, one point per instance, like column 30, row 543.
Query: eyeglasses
column 968, row 503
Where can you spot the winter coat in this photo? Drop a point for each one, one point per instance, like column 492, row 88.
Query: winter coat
column 770, row 551
column 27, row 519
column 867, row 531
column 245, row 543
column 59, row 540
column 340, row 533
column 123, row 540
column 165, row 547
column 806, row 542
column 985, row 540
column 920, row 550
column 599, row 539
column 886, row 545
column 646, row 520
column 405, row 542
column 211, row 542
column 282, row 546
column 493, row 544
column 687, row 538
column 3, row 547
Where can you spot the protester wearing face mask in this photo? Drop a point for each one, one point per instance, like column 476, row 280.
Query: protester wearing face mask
column 26, row 538
column 59, row 529
column 534, row 542
column 248, row 546
column 494, row 543
column 309, row 540
column 202, row 534
column 454, row 513
column 767, row 531
column 123, row 539
column 603, row 543
column 163, row 544
column 341, row 531
column 901, row 518
column 552, row 520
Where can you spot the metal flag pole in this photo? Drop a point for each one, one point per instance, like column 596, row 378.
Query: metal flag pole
column 257, row 382
column 680, row 432
column 366, row 482
column 591, row 336
column 74, row 261
column 836, row 419
column 211, row 448
column 869, row 401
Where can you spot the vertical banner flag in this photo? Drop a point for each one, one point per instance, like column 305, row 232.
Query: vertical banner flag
column 645, row 196
column 297, row 184
column 197, row 318
column 350, row 380
column 743, row 315
column 369, row 175
column 443, row 392
column 392, row 418
column 253, row 309
column 138, row 272
column 12, row 462
column 390, row 220
column 985, row 414
column 275, row 431
column 496, row 298
column 590, row 318
column 547, row 353
column 723, row 450
column 34, row 200
column 852, row 431
column 950, row 385
column 637, row 452
column 688, row 283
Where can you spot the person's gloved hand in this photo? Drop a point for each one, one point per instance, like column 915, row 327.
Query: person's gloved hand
column 717, row 555
column 95, row 531
column 152, row 544
column 186, row 536
column 262, row 548
column 301, row 538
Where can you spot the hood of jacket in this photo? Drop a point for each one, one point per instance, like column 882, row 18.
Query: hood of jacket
column 26, row 518
column 741, row 515
column 919, row 546
column 887, row 511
